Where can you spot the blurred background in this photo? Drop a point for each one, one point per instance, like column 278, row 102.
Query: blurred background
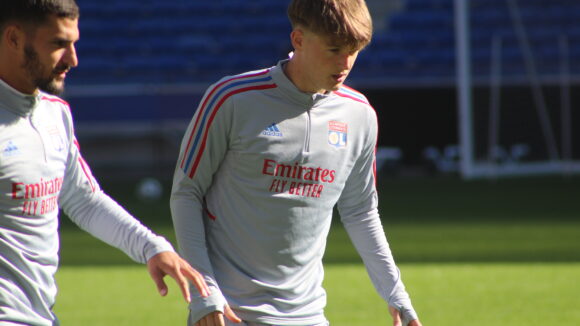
column 478, row 157
column 480, row 88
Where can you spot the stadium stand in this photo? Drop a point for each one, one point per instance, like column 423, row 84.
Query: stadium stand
column 158, row 41
column 145, row 63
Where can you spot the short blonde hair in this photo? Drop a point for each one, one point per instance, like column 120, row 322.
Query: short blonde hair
column 346, row 22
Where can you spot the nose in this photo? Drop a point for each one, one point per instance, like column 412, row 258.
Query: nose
column 70, row 57
column 346, row 61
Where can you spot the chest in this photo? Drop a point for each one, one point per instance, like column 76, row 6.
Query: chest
column 282, row 145
column 291, row 133
column 33, row 158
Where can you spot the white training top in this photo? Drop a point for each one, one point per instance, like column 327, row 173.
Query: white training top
column 41, row 170
column 261, row 167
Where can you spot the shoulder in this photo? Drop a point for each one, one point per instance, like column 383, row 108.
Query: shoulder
column 54, row 101
column 250, row 81
column 351, row 94
column 223, row 93
column 359, row 108
column 56, row 108
column 355, row 98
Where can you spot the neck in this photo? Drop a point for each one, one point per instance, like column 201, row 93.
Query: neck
column 294, row 72
column 290, row 70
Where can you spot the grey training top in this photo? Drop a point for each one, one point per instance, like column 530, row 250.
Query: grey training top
column 41, row 171
column 261, row 167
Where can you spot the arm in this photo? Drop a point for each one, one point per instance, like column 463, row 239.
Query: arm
column 203, row 148
column 95, row 212
column 358, row 208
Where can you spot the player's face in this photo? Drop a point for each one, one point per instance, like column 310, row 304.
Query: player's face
column 49, row 54
column 326, row 64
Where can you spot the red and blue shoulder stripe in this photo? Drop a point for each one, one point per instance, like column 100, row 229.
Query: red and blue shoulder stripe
column 345, row 91
column 210, row 105
column 50, row 98
column 55, row 99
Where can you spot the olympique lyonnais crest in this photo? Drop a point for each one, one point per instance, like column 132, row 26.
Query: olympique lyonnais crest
column 337, row 132
column 57, row 139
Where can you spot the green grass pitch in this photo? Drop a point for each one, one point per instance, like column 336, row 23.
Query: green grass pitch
column 444, row 294
column 474, row 253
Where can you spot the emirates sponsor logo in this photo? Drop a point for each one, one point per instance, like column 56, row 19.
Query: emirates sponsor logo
column 38, row 198
column 296, row 179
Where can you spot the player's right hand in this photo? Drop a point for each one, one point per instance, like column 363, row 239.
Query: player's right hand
column 216, row 318
column 397, row 320
column 169, row 263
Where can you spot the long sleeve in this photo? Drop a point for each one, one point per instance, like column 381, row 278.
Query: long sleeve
column 95, row 212
column 358, row 208
column 202, row 151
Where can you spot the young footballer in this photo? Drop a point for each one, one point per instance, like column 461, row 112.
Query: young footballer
column 267, row 156
column 42, row 171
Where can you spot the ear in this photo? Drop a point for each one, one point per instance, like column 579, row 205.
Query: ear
column 13, row 37
column 297, row 38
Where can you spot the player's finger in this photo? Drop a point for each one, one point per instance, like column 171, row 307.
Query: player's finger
column 208, row 320
column 157, row 277
column 396, row 316
column 231, row 315
column 218, row 319
column 181, row 282
column 196, row 279
column 397, row 320
column 204, row 321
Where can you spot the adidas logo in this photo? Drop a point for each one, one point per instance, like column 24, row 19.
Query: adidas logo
column 272, row 130
column 10, row 149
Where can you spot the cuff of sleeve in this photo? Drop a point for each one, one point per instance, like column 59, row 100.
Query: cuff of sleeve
column 408, row 313
column 199, row 306
column 156, row 246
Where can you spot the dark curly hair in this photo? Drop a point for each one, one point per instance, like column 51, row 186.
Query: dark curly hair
column 35, row 12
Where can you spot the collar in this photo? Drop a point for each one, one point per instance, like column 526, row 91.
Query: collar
column 308, row 100
column 17, row 102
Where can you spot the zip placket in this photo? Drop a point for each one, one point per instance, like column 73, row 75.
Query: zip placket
column 35, row 128
column 306, row 148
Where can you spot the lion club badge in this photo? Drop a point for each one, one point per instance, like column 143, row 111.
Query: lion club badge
column 57, row 139
column 337, row 132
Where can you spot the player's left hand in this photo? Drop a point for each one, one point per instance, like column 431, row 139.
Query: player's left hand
column 169, row 263
column 397, row 321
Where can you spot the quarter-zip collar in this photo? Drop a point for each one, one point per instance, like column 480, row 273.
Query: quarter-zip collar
column 304, row 100
column 17, row 102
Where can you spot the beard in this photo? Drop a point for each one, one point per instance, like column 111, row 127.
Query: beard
column 36, row 69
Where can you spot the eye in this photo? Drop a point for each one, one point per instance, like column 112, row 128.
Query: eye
column 61, row 43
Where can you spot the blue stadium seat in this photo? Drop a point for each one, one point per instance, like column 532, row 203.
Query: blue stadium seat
column 185, row 39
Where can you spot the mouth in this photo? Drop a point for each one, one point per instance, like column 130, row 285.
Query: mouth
column 339, row 78
column 61, row 73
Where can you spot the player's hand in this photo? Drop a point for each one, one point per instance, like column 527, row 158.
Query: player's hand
column 169, row 263
column 216, row 318
column 397, row 321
